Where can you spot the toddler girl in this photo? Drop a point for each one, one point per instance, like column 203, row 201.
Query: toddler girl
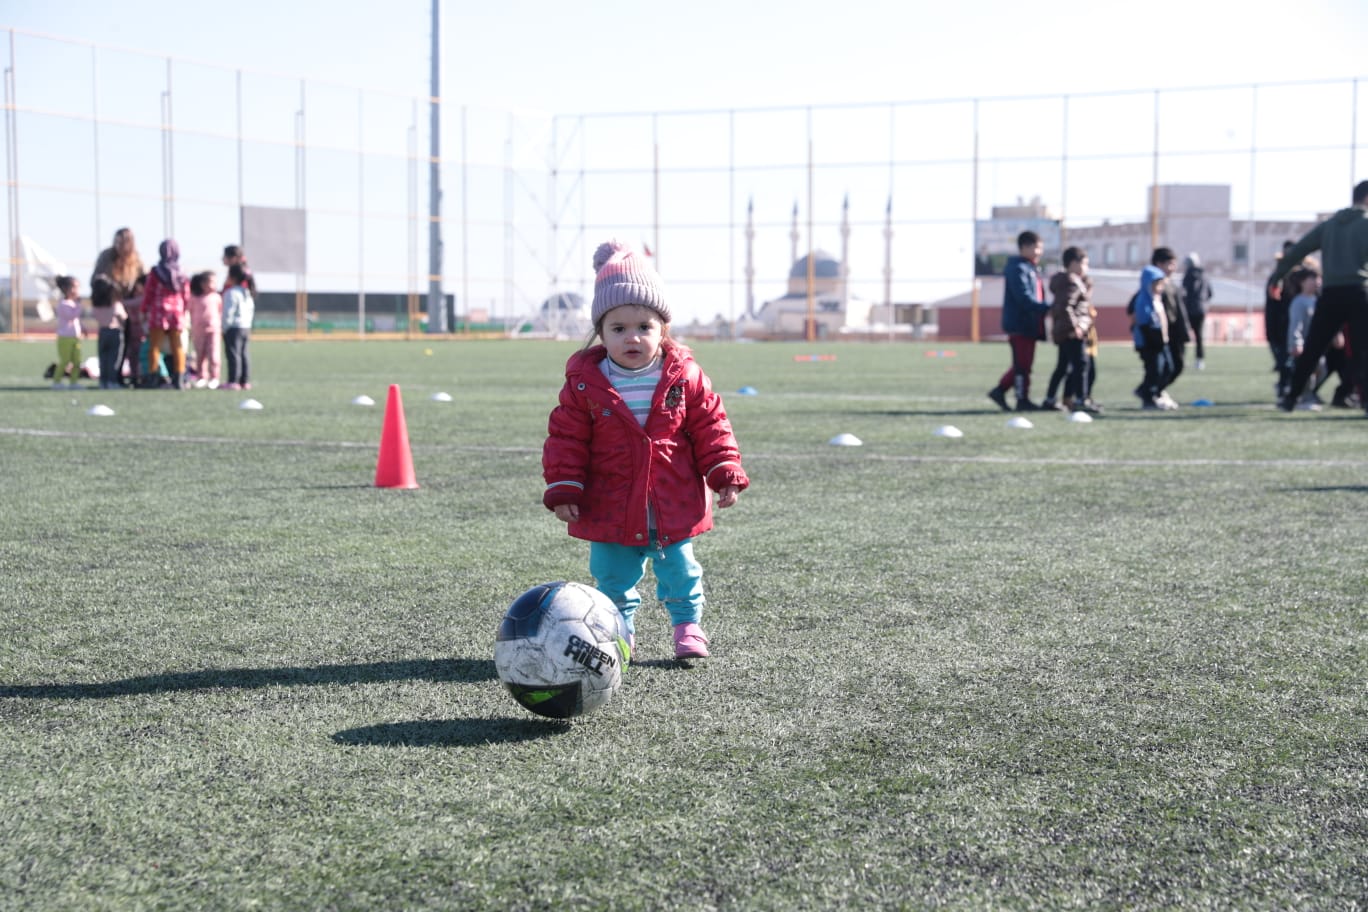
column 68, row 332
column 206, row 324
column 238, row 311
column 637, row 440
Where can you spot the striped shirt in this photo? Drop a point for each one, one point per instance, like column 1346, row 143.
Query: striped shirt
column 637, row 387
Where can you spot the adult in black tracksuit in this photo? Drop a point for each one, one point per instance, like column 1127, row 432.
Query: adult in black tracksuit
column 1342, row 240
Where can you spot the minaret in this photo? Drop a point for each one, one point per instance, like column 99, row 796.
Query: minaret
column 793, row 235
column 750, row 259
column 845, row 255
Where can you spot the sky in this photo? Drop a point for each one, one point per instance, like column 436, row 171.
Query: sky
column 538, row 57
column 605, row 55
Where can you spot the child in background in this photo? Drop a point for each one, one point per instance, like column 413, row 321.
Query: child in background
column 1299, row 314
column 233, row 255
column 1176, row 315
column 239, row 309
column 163, row 308
column 1150, row 333
column 1091, row 346
column 637, row 440
column 1072, row 315
column 68, row 332
column 1196, row 298
column 135, row 335
column 206, row 324
column 110, row 317
column 1023, row 320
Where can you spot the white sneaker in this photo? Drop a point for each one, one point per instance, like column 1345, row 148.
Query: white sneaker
column 213, row 384
column 1201, row 365
column 1165, row 402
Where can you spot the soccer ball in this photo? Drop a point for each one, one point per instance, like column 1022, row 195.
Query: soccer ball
column 561, row 649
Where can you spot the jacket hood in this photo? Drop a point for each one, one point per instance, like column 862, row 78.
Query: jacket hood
column 1351, row 214
column 1060, row 282
column 1148, row 276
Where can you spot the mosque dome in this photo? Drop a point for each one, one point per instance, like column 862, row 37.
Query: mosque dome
column 825, row 266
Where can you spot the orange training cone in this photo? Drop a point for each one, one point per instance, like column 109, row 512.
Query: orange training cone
column 394, row 468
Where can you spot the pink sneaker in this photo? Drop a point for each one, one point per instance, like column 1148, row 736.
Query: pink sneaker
column 689, row 641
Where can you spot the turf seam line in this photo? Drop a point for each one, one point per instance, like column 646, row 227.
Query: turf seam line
column 750, row 457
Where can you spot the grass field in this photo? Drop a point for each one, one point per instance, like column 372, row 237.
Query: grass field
column 1110, row 665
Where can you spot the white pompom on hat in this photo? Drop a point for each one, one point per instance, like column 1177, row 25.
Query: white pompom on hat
column 623, row 276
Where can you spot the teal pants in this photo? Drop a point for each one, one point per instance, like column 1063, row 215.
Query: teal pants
column 679, row 579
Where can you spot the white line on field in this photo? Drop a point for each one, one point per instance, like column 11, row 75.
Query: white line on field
column 845, row 453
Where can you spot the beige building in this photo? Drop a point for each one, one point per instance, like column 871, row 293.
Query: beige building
column 1192, row 218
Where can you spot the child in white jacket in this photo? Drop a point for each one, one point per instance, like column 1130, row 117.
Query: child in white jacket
column 239, row 309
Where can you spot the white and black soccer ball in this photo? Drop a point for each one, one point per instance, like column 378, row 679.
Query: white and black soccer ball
column 561, row 649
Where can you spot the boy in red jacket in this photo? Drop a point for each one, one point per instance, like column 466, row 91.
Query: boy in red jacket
column 637, row 440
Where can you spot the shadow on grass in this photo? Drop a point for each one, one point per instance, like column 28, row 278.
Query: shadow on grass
column 1329, row 489
column 667, row 664
column 441, row 670
column 922, row 413
column 1127, row 410
column 451, row 732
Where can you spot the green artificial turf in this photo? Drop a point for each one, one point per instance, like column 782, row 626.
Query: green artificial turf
column 1108, row 665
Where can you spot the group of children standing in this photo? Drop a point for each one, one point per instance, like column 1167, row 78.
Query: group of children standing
column 1024, row 308
column 142, row 315
column 1160, row 328
column 1298, row 294
column 1164, row 318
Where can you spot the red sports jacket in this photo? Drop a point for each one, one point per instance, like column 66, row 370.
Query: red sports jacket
column 598, row 456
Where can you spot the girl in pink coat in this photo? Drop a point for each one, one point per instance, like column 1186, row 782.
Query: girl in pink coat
column 206, row 328
column 634, row 446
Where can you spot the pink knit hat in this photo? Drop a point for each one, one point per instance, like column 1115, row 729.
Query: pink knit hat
column 623, row 276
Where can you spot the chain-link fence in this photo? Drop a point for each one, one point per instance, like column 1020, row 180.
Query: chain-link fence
column 99, row 138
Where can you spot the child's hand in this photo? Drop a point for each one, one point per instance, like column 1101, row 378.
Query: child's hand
column 727, row 496
column 567, row 512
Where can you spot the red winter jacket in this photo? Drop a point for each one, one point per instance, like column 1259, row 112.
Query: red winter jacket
column 598, row 456
column 163, row 307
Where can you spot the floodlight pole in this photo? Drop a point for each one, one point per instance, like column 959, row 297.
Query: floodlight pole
column 436, row 313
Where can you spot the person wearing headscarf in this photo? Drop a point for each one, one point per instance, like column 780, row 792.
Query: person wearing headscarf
column 163, row 308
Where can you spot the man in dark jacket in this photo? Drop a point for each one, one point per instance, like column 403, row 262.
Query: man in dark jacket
column 1343, row 242
column 1023, row 319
